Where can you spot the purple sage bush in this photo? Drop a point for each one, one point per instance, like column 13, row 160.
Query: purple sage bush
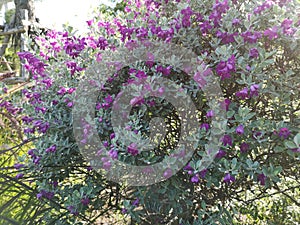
column 250, row 47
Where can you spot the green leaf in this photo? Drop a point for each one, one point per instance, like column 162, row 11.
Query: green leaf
column 290, row 144
column 297, row 139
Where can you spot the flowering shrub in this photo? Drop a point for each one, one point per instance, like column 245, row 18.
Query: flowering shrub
column 251, row 47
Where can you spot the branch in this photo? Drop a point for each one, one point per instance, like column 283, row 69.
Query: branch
column 13, row 31
column 14, row 80
column 6, row 75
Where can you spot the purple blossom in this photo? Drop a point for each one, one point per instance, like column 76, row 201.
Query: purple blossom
column 45, row 194
column 254, row 90
column 227, row 140
column 244, row 147
column 19, row 175
column 228, row 178
column 251, row 37
column 286, row 27
column 18, row 166
column 62, row 91
column 224, row 69
column 106, row 165
column 243, row 94
column 124, row 211
column 85, row 201
column 39, row 196
column 221, row 153
column 284, row 132
column 168, row 173
column 113, row 154
column 210, row 114
column 141, row 74
column 31, row 152
column 72, row 210
column 286, row 23
column 51, row 149
column 226, row 38
column 253, row 53
column 27, row 119
column 89, row 22
column 132, row 149
column 271, row 33
column 235, row 22
column 296, row 150
column 206, row 126
column 137, row 100
column 112, row 136
column 136, row 202
column 205, row 26
column 262, row 179
column 203, row 173
column 188, row 167
column 225, row 104
column 240, row 129
column 164, row 70
column 195, row 179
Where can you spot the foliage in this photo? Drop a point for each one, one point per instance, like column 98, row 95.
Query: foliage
column 251, row 46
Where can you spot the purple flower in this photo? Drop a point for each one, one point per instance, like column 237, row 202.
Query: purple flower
column 113, row 154
column 210, row 114
column 137, row 100
column 19, row 175
column 296, row 150
column 240, row 129
column 27, row 119
column 203, row 173
column 221, row 153
column 227, row 140
column 226, row 38
column 195, row 179
column 244, row 147
column 284, row 132
column 70, row 104
column 262, row 179
column 253, row 53
column 286, row 23
column 72, row 210
column 39, row 196
column 89, row 22
column 254, row 90
column 251, row 37
column 228, row 178
column 199, row 78
column 206, row 126
column 236, row 22
column 224, row 69
column 132, row 149
column 18, row 166
column 112, row 136
column 188, row 167
column 205, row 26
column 106, row 165
column 46, row 194
column 124, row 211
column 62, row 91
column 243, row 94
column 136, row 202
column 141, row 74
column 85, row 201
column 286, row 27
column 272, row 33
column 168, row 173
column 51, row 149
column 225, row 104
